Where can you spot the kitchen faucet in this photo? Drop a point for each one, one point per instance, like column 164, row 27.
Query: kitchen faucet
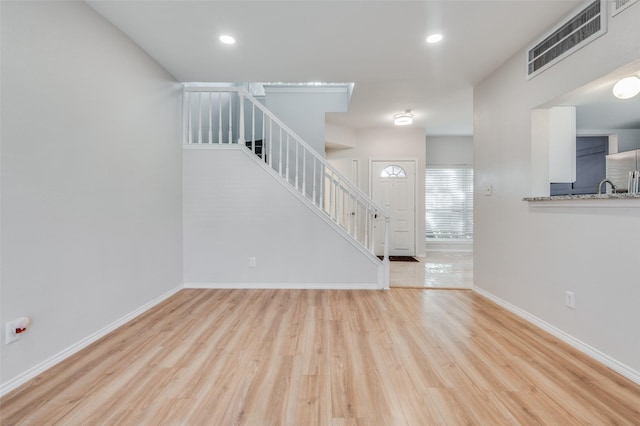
column 603, row 182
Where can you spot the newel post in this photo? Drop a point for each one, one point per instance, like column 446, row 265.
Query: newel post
column 385, row 260
column 241, row 119
column 185, row 112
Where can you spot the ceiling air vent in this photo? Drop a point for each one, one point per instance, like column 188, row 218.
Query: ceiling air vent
column 576, row 31
column 618, row 6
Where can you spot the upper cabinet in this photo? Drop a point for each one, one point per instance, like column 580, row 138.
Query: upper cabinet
column 555, row 129
column 562, row 144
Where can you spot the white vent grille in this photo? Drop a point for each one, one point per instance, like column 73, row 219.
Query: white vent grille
column 576, row 31
column 618, row 6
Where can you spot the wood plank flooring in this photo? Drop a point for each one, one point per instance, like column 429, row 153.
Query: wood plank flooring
column 320, row 357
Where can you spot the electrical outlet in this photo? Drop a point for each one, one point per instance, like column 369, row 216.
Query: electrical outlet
column 570, row 299
column 252, row 262
column 14, row 329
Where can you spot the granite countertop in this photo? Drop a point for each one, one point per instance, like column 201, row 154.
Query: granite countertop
column 621, row 196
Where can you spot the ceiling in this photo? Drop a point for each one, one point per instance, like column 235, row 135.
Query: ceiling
column 597, row 108
column 378, row 45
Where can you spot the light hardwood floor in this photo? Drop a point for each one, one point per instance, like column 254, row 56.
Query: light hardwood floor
column 307, row 357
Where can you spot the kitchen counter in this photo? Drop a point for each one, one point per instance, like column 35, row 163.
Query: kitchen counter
column 586, row 200
column 620, row 196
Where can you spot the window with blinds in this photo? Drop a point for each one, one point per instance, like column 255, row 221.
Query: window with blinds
column 449, row 203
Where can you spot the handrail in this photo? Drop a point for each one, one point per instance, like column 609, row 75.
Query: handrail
column 241, row 91
column 310, row 149
column 217, row 114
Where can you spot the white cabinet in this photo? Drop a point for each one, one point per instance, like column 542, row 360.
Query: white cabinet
column 562, row 144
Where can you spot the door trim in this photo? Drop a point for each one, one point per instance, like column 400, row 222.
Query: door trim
column 414, row 160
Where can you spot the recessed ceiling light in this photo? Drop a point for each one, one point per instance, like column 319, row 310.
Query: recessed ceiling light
column 434, row 38
column 227, row 39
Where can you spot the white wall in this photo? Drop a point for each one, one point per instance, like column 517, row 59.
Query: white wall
column 530, row 256
column 449, row 150
column 390, row 144
column 234, row 209
column 303, row 108
column 339, row 137
column 91, row 178
column 628, row 139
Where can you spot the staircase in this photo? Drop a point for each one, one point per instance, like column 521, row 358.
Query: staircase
column 230, row 115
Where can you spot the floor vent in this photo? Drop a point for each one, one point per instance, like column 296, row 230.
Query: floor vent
column 618, row 6
column 576, row 31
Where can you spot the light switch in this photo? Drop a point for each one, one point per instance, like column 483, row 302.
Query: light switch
column 488, row 190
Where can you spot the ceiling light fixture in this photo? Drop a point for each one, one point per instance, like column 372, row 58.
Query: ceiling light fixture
column 627, row 88
column 434, row 38
column 227, row 39
column 403, row 119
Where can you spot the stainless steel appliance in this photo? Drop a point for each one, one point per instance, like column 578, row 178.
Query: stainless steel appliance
column 623, row 169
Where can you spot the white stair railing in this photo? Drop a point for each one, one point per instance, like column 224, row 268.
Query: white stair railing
column 230, row 115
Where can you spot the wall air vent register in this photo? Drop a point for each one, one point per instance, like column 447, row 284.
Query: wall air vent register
column 618, row 6
column 576, row 31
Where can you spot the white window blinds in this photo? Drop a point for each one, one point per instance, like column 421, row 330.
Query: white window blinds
column 449, row 203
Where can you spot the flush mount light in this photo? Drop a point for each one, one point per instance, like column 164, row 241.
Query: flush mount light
column 434, row 38
column 403, row 119
column 227, row 39
column 627, row 88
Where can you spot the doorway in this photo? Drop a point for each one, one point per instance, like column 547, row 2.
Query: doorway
column 393, row 183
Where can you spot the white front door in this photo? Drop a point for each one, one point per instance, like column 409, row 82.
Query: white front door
column 393, row 184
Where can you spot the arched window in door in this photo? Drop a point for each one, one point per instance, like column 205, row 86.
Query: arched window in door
column 393, row 171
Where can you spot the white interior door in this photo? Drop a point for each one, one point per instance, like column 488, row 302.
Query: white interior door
column 344, row 208
column 393, row 183
column 347, row 167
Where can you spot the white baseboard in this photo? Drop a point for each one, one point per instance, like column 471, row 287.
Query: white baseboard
column 280, row 286
column 590, row 351
column 66, row 353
